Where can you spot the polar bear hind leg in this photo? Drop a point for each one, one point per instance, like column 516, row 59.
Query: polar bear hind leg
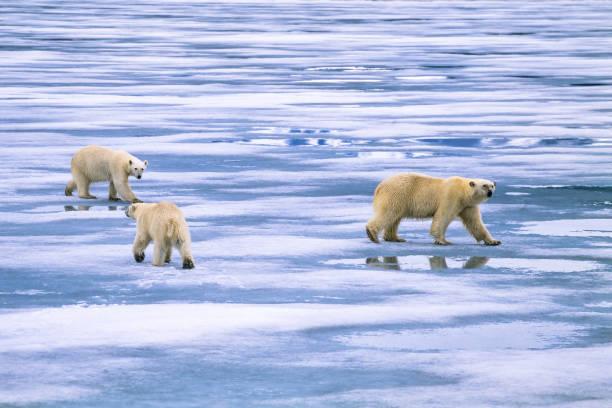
column 390, row 232
column 386, row 222
column 140, row 243
column 70, row 187
column 372, row 229
column 112, row 192
column 82, row 183
column 168, row 254
column 185, row 250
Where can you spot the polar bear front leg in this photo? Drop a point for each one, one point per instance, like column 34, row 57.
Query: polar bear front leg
column 472, row 221
column 390, row 232
column 123, row 188
column 70, row 187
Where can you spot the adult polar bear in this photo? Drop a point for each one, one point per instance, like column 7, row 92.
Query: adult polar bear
column 413, row 195
column 94, row 163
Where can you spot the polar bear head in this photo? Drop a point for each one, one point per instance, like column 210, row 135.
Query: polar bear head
column 137, row 167
column 482, row 189
column 131, row 211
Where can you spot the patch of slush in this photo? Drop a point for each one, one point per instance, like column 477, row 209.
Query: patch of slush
column 600, row 304
column 36, row 393
column 417, row 290
column 204, row 323
column 589, row 227
column 31, row 292
column 423, row 78
column 76, row 258
column 39, row 378
column 317, row 208
column 347, row 68
column 275, row 246
column 32, row 218
column 323, row 209
column 16, row 243
column 381, row 155
column 268, row 190
column 560, row 377
column 338, row 81
column 544, row 265
column 485, row 337
column 138, row 149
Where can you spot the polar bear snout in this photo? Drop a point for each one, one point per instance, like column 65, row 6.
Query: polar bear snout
column 139, row 176
column 489, row 188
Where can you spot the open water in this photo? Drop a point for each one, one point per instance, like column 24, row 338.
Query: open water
column 270, row 124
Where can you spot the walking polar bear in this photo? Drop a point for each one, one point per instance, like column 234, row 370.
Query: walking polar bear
column 94, row 163
column 164, row 224
column 413, row 195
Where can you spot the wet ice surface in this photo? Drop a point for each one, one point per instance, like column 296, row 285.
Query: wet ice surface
column 270, row 126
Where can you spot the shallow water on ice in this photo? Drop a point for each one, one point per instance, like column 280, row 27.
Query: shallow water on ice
column 270, row 125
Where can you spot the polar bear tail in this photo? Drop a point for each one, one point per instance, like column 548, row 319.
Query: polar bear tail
column 173, row 229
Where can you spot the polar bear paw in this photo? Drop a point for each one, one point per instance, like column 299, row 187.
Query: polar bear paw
column 188, row 263
column 394, row 239
column 139, row 257
column 372, row 234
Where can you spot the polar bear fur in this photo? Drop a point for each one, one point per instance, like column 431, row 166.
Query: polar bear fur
column 94, row 163
column 164, row 224
column 413, row 195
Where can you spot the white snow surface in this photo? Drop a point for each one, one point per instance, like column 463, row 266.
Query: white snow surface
column 270, row 125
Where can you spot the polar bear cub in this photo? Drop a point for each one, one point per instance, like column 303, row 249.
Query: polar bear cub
column 164, row 224
column 412, row 195
column 94, row 163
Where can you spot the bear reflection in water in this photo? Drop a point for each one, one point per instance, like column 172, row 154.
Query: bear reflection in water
column 435, row 262
column 87, row 207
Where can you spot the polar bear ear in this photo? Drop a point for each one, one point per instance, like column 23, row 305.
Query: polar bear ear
column 495, row 184
column 130, row 162
column 146, row 163
column 472, row 184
